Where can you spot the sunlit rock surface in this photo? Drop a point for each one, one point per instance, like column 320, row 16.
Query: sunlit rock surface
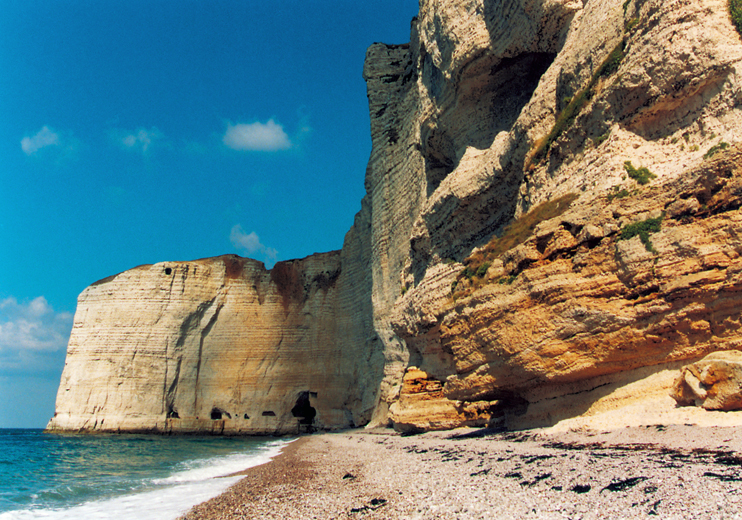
column 216, row 345
column 714, row 383
column 471, row 129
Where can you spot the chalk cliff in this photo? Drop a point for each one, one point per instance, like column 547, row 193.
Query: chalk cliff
column 218, row 345
column 609, row 125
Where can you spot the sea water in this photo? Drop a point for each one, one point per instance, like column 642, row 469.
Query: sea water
column 119, row 477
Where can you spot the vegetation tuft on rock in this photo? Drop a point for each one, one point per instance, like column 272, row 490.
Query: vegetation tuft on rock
column 641, row 175
column 643, row 229
column 716, row 148
column 735, row 10
column 618, row 194
column 568, row 114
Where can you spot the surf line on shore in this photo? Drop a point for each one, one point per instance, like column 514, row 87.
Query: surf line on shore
column 126, row 491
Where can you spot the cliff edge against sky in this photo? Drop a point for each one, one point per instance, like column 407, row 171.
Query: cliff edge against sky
column 552, row 208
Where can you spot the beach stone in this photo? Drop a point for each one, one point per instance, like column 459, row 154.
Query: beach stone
column 714, row 382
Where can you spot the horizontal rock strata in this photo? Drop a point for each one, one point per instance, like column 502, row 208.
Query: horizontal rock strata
column 581, row 299
column 626, row 111
column 217, row 345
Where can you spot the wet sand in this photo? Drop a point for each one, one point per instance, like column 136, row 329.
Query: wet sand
column 670, row 471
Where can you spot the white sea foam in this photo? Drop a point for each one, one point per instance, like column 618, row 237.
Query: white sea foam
column 200, row 470
column 166, row 498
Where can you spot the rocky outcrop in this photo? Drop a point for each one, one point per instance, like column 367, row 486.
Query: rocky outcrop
column 581, row 298
column 217, row 345
column 423, row 406
column 714, row 383
column 552, row 206
column 575, row 306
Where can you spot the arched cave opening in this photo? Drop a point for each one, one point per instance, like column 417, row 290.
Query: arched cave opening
column 218, row 413
column 304, row 411
column 172, row 413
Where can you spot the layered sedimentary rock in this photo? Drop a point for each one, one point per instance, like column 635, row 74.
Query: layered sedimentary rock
column 422, row 406
column 523, row 102
column 216, row 345
column 493, row 108
column 581, row 299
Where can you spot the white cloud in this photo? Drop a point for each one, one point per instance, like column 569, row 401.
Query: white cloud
column 33, row 337
column 43, row 138
column 258, row 137
column 250, row 243
column 139, row 140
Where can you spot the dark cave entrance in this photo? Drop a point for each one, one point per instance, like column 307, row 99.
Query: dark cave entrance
column 305, row 412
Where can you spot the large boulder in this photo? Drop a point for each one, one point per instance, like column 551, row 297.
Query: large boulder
column 714, row 382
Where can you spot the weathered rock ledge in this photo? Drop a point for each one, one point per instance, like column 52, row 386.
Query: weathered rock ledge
column 578, row 302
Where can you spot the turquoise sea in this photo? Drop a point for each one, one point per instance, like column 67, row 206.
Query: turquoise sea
column 119, row 476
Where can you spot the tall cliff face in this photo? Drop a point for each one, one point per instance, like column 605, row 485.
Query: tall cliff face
column 217, row 345
column 498, row 106
column 493, row 111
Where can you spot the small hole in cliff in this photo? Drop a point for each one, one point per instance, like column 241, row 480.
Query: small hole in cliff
column 247, row 416
column 216, row 414
column 172, row 413
column 269, row 413
column 168, row 271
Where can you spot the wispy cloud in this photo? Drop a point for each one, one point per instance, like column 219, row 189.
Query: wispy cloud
column 43, row 138
column 257, row 137
column 33, row 337
column 140, row 140
column 250, row 243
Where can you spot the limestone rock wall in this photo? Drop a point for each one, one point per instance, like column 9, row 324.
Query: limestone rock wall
column 492, row 108
column 493, row 81
column 217, row 345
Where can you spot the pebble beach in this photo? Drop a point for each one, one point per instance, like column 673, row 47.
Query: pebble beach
column 663, row 471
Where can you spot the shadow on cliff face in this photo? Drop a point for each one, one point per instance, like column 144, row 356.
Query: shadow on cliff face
column 481, row 99
column 486, row 99
column 295, row 286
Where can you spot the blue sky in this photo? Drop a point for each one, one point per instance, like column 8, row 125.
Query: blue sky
column 142, row 131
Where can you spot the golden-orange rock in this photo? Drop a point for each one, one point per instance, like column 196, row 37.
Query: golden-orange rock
column 714, row 382
column 422, row 406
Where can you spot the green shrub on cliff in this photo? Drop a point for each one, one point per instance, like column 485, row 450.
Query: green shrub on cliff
column 641, row 175
column 643, row 229
column 612, row 62
column 716, row 148
column 735, row 10
column 618, row 194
